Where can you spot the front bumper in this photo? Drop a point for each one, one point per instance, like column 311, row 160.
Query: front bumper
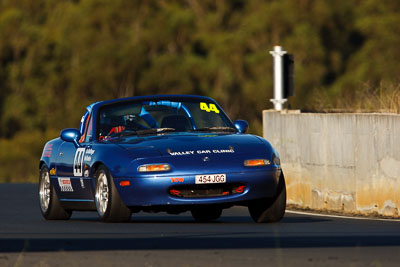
column 154, row 190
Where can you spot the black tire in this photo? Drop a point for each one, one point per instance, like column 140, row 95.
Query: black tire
column 110, row 207
column 50, row 206
column 206, row 214
column 270, row 209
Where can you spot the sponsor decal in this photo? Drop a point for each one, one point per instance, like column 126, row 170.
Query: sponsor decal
column 177, row 180
column 82, row 183
column 219, row 151
column 53, row 171
column 209, row 108
column 88, row 154
column 65, row 184
column 48, row 149
column 201, row 152
column 181, row 153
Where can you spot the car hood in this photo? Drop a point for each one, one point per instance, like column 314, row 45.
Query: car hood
column 187, row 145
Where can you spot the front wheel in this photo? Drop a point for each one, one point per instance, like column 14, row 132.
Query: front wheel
column 270, row 209
column 50, row 206
column 110, row 207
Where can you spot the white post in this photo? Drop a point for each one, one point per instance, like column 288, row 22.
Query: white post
column 278, row 78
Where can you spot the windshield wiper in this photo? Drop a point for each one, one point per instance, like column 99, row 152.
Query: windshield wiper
column 127, row 133
column 143, row 132
column 216, row 129
column 155, row 130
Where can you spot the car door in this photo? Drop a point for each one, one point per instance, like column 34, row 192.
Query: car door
column 74, row 182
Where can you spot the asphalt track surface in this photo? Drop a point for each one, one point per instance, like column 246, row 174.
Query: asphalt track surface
column 159, row 239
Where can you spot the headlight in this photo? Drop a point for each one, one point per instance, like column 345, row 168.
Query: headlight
column 256, row 162
column 154, row 168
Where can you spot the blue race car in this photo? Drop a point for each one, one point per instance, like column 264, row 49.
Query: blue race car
column 172, row 153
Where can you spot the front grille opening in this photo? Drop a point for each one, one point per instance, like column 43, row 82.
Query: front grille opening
column 212, row 190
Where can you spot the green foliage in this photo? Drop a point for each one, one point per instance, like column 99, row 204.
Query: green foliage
column 19, row 156
column 58, row 56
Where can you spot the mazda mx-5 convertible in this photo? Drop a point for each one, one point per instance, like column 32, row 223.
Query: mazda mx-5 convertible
column 171, row 153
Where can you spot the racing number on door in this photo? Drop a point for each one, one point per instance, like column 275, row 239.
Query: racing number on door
column 78, row 161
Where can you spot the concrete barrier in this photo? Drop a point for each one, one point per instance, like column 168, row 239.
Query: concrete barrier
column 339, row 162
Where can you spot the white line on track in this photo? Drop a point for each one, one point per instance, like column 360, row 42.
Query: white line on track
column 340, row 216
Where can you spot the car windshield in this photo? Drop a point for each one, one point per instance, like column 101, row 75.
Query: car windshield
column 152, row 117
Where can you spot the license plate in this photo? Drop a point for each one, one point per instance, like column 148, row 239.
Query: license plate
column 211, row 179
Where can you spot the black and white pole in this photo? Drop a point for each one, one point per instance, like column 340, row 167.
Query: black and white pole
column 278, row 99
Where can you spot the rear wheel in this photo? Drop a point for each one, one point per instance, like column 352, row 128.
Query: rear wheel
column 270, row 209
column 206, row 214
column 110, row 207
column 49, row 204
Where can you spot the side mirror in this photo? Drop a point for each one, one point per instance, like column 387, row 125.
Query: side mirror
column 241, row 125
column 71, row 135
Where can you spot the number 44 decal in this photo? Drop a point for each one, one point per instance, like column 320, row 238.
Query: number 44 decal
column 78, row 161
column 208, row 108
